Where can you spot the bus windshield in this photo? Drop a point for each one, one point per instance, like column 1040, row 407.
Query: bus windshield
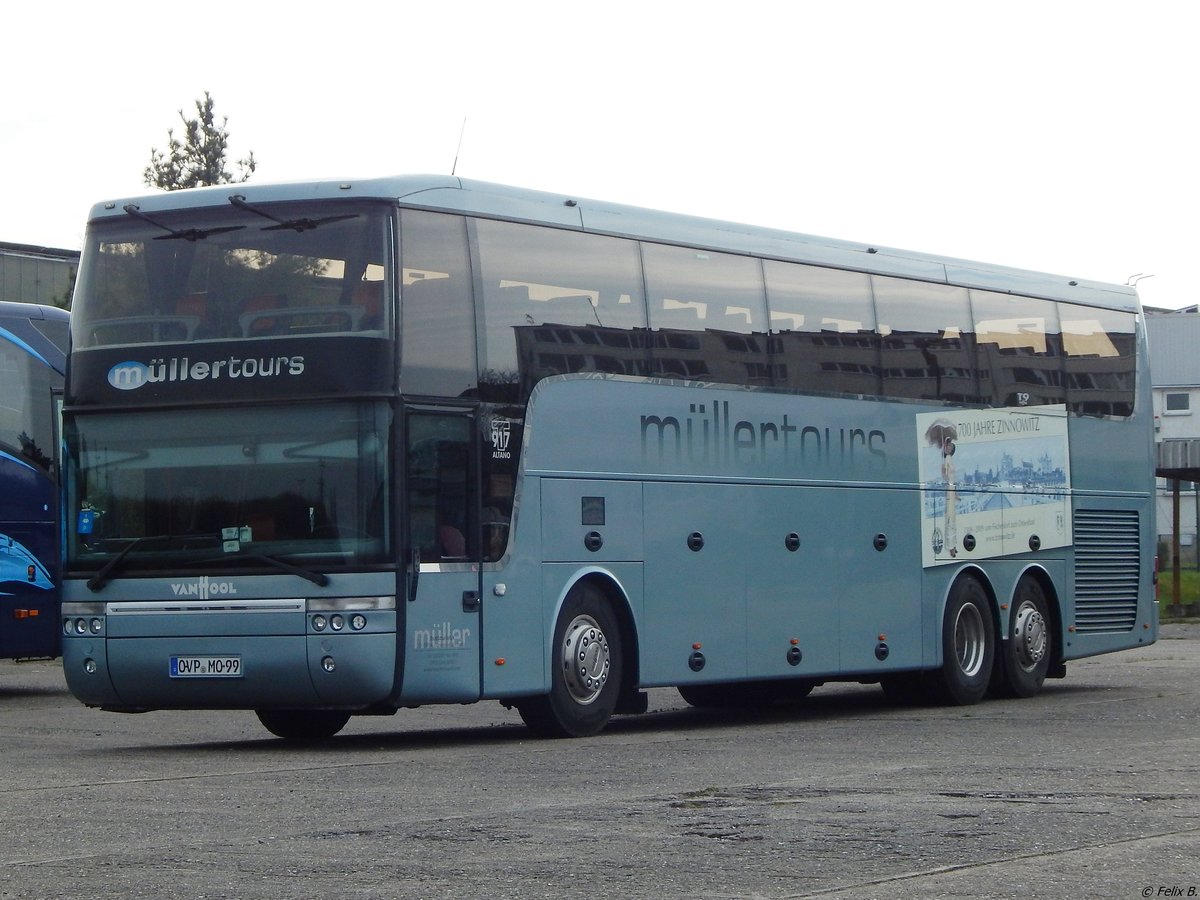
column 234, row 272
column 229, row 487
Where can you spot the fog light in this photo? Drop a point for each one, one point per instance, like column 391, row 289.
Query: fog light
column 337, row 623
column 358, row 621
column 328, row 664
column 89, row 666
column 97, row 625
column 318, row 623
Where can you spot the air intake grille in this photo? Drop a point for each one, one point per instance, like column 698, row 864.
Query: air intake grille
column 1107, row 567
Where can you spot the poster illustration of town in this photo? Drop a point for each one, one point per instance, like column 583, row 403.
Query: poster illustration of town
column 993, row 482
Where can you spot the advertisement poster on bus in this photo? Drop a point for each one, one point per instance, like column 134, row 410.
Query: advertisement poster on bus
column 994, row 482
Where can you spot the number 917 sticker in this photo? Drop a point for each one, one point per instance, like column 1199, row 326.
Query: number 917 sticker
column 206, row 667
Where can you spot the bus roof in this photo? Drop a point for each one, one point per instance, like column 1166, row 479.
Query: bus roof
column 18, row 327
column 460, row 195
column 31, row 310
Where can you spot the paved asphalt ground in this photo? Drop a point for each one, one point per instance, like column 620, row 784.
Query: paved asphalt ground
column 1090, row 790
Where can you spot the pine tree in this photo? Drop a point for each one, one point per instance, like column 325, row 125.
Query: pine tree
column 199, row 159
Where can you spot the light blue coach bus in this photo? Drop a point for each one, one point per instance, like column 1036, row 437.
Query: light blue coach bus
column 334, row 449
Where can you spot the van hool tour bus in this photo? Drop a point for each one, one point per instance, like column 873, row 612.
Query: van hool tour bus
column 333, row 449
column 33, row 341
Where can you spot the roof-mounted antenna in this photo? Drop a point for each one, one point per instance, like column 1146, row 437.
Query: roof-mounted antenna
column 458, row 149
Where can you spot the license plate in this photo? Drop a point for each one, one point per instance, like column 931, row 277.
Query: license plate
column 206, row 667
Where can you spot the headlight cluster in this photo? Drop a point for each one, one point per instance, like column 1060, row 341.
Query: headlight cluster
column 341, row 614
column 337, row 622
column 81, row 626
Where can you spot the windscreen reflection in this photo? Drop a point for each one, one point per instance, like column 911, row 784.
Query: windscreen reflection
column 220, row 488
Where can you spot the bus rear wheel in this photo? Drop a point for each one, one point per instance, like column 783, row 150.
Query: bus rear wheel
column 1025, row 655
column 968, row 645
column 303, row 724
column 586, row 669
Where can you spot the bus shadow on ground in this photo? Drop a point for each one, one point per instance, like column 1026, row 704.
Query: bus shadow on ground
column 16, row 692
column 32, row 677
column 831, row 705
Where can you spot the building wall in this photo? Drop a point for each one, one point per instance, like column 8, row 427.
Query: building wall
column 1177, row 423
column 1174, row 340
column 43, row 275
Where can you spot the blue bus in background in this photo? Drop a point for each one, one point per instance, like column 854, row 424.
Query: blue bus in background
column 340, row 448
column 33, row 342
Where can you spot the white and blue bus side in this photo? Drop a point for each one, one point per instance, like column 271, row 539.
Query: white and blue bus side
column 33, row 342
column 337, row 449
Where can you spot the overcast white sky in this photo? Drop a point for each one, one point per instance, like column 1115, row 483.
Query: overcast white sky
column 1053, row 135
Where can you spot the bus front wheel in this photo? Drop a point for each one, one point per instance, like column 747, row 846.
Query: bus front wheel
column 303, row 724
column 968, row 645
column 586, row 669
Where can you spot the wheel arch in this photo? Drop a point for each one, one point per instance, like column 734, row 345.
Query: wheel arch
column 615, row 593
column 969, row 570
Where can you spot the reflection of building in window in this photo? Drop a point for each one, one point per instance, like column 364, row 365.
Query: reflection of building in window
column 721, row 357
column 241, row 283
column 1099, row 361
column 1015, row 367
column 559, row 303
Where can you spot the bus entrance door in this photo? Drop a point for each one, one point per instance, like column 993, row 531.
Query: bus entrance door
column 442, row 619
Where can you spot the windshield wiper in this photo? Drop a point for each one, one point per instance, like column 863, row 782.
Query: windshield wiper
column 320, row 579
column 192, row 234
column 298, row 224
column 100, row 579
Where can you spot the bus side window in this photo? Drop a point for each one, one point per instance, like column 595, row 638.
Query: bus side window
column 555, row 303
column 822, row 329
column 1018, row 349
column 1098, row 350
column 441, row 487
column 924, row 347
column 437, row 312
column 708, row 315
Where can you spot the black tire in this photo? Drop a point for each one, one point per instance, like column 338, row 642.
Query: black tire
column 303, row 724
column 968, row 645
column 585, row 669
column 1024, row 658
